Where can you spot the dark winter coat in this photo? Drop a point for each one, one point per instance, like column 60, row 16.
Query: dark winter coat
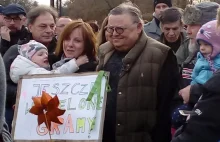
column 145, row 89
column 184, row 42
column 9, row 57
column 15, row 37
column 4, row 133
column 203, row 125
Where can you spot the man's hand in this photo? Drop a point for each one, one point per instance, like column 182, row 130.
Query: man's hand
column 5, row 33
column 185, row 93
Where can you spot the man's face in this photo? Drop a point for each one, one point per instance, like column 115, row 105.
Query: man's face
column 61, row 23
column 172, row 31
column 13, row 22
column 43, row 28
column 192, row 31
column 160, row 7
column 125, row 32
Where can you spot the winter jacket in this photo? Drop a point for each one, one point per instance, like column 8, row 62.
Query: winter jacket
column 15, row 37
column 187, row 69
column 183, row 43
column 183, row 51
column 4, row 133
column 9, row 57
column 203, row 124
column 22, row 66
column 152, row 30
column 146, row 86
column 202, row 70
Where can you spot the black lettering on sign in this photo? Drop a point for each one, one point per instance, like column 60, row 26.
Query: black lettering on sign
column 82, row 92
column 66, row 85
column 69, row 105
column 44, row 86
column 56, row 86
column 38, row 86
column 72, row 89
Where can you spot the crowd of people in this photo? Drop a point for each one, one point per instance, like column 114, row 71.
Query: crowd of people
column 164, row 74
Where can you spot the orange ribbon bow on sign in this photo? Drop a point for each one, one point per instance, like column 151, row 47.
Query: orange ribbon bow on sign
column 46, row 108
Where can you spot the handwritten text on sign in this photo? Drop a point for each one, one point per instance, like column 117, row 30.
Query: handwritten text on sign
column 72, row 93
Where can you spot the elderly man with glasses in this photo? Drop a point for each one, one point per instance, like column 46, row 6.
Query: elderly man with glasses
column 13, row 29
column 143, row 79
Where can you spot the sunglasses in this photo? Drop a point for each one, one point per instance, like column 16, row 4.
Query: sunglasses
column 118, row 30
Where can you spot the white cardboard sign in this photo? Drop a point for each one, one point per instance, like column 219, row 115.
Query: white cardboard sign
column 72, row 92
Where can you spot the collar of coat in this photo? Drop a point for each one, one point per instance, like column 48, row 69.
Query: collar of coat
column 183, row 37
column 153, row 28
column 132, row 55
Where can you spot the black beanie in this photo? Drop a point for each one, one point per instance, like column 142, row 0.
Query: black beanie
column 167, row 2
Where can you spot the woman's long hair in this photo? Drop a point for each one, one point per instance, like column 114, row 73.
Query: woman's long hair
column 89, row 38
column 101, row 35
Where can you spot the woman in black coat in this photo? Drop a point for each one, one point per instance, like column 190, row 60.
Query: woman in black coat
column 77, row 39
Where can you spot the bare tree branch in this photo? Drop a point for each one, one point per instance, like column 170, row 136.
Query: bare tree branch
column 110, row 7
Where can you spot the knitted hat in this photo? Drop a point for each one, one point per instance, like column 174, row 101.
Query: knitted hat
column 167, row 2
column 200, row 13
column 16, row 9
column 29, row 49
column 210, row 34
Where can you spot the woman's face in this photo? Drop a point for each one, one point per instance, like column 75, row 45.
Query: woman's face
column 73, row 46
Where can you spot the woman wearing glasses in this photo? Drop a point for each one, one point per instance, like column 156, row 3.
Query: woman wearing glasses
column 77, row 39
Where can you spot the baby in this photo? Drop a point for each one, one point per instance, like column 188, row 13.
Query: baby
column 33, row 59
column 208, row 59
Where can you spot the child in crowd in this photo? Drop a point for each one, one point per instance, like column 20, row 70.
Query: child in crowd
column 33, row 59
column 208, row 62
column 208, row 59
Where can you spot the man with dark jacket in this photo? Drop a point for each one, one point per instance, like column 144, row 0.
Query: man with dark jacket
column 41, row 23
column 203, row 124
column 13, row 29
column 173, row 34
column 143, row 79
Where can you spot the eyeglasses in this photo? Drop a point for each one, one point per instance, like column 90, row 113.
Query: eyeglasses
column 15, row 19
column 118, row 30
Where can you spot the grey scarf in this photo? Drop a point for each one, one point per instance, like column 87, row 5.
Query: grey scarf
column 61, row 62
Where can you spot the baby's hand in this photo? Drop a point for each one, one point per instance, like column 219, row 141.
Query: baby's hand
column 82, row 60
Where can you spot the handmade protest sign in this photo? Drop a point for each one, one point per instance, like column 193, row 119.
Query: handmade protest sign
column 73, row 94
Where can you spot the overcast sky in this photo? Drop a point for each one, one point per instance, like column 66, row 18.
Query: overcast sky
column 47, row 2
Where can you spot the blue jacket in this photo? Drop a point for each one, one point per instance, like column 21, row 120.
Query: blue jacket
column 202, row 71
